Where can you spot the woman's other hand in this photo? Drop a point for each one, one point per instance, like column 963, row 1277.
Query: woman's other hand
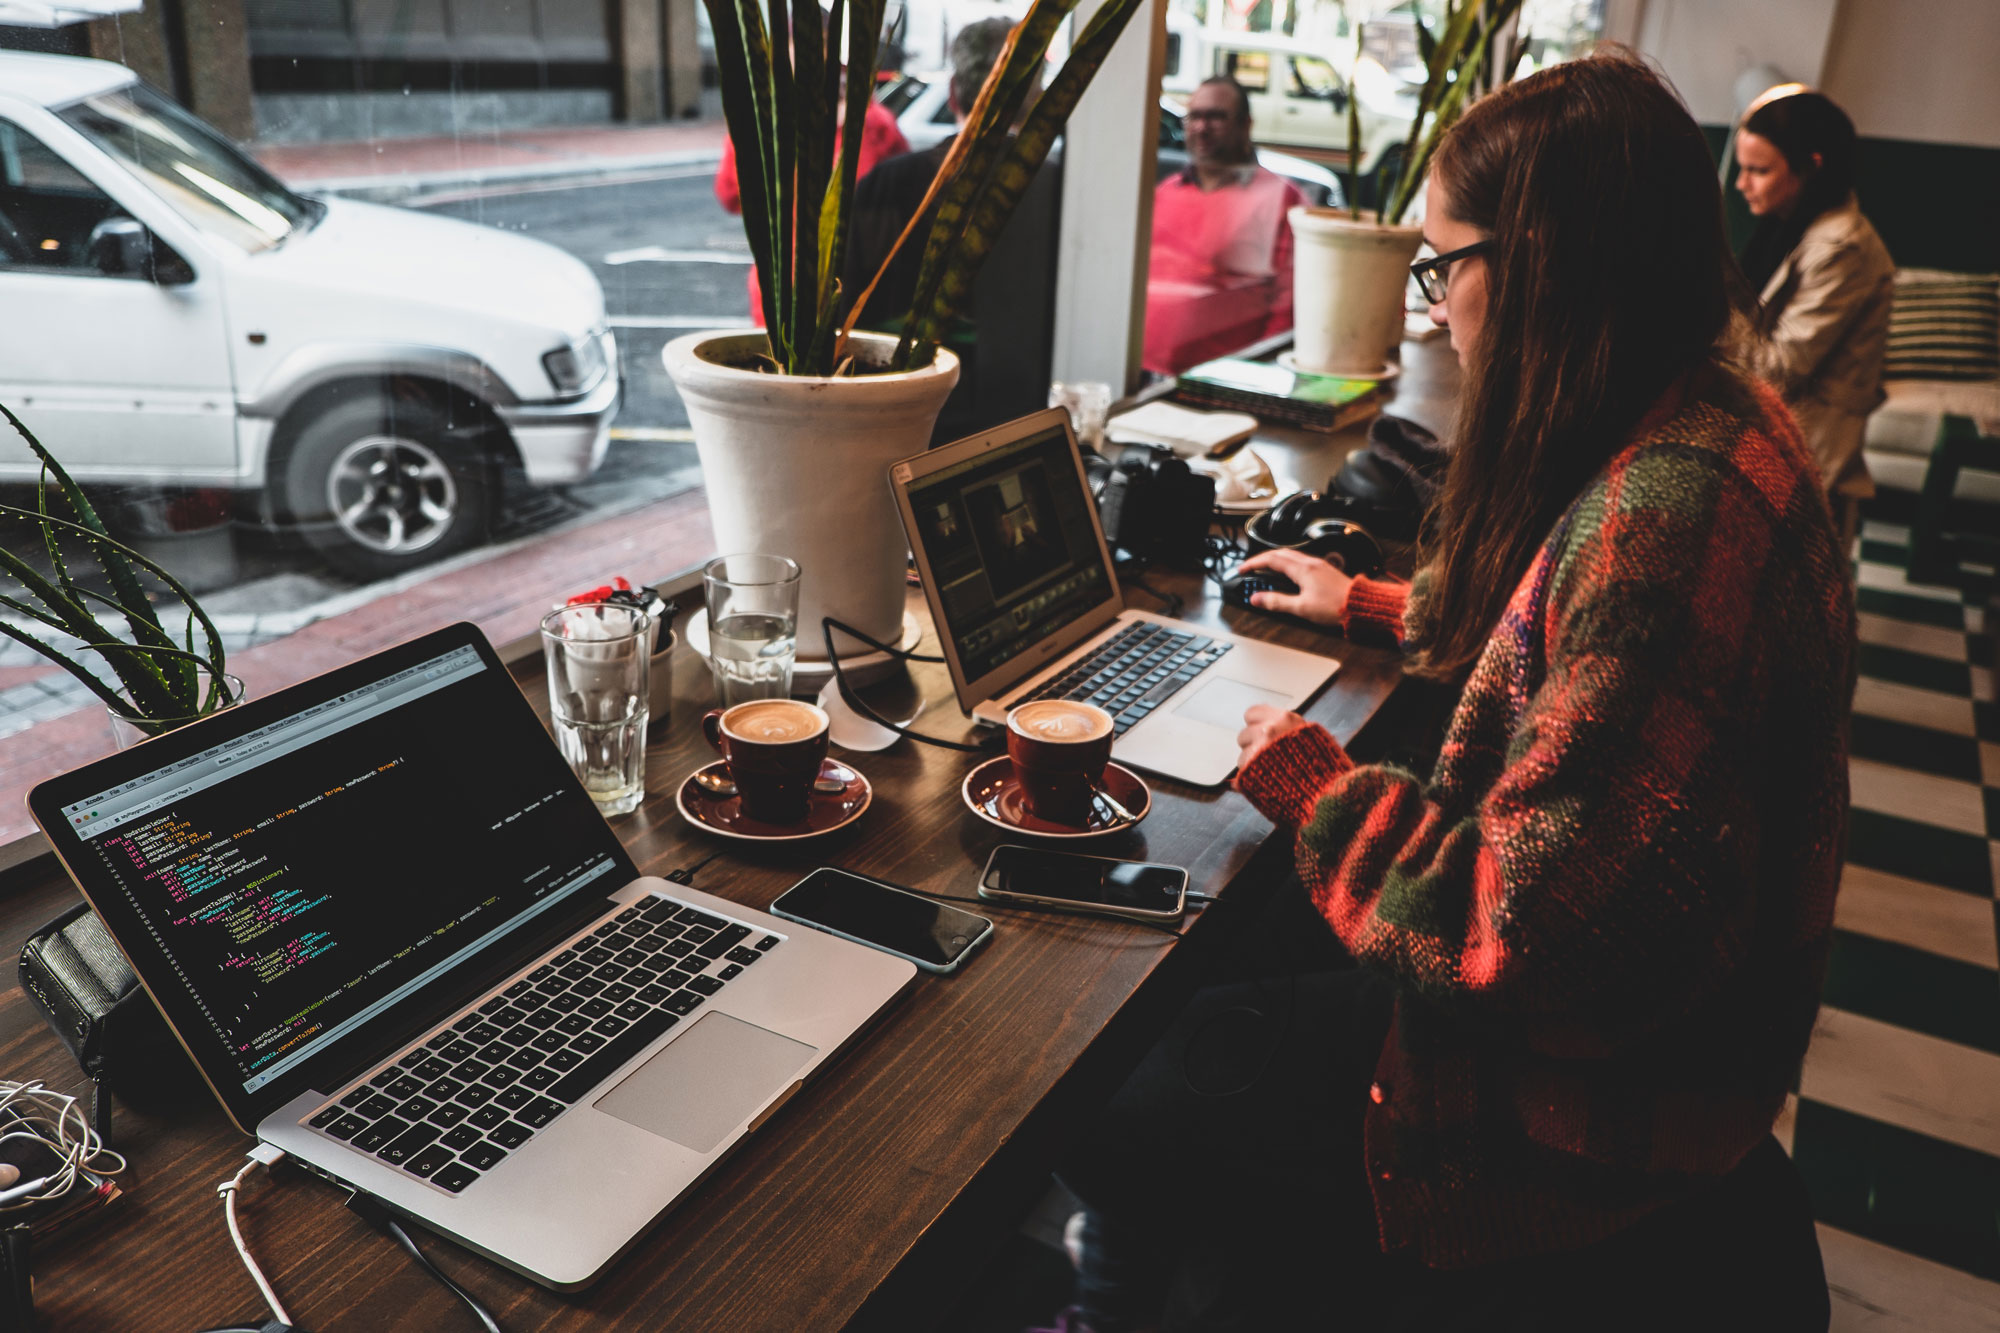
column 1263, row 724
column 1322, row 594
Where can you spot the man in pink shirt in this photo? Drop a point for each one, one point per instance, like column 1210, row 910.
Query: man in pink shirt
column 1221, row 274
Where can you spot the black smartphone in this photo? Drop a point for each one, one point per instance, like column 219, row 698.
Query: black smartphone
column 935, row 936
column 1141, row 890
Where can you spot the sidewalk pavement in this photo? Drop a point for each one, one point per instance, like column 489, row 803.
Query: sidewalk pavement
column 387, row 170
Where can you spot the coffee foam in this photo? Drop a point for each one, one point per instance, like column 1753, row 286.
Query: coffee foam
column 773, row 721
column 1060, row 720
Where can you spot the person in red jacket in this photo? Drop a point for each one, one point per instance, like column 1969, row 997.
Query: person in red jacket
column 1589, row 944
column 880, row 138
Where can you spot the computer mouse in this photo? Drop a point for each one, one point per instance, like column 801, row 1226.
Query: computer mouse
column 1238, row 587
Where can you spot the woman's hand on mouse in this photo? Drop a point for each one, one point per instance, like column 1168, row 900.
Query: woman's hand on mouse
column 1322, row 594
column 1263, row 724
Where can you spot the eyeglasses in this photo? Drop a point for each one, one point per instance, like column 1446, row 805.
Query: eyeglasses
column 1431, row 273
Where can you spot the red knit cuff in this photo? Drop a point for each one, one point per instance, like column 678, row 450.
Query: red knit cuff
column 1288, row 776
column 1375, row 609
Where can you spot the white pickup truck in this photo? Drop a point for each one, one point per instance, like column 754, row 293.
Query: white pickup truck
column 171, row 314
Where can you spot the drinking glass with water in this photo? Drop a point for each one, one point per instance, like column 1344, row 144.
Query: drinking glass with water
column 598, row 658
column 753, row 623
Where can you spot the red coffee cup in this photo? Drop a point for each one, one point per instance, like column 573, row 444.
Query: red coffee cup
column 774, row 748
column 1059, row 748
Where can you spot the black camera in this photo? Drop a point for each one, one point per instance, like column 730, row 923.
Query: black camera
column 1152, row 504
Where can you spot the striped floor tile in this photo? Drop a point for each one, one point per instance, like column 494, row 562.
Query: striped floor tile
column 1896, row 1127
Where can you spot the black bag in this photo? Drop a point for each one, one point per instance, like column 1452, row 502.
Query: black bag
column 73, row 972
column 1389, row 486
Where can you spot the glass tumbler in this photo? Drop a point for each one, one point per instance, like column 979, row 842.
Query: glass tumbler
column 753, row 626
column 597, row 658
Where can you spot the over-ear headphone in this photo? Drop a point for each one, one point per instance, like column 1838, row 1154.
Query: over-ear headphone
column 1313, row 523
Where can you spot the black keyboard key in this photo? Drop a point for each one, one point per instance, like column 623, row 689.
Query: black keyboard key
column 459, row 1049
column 431, row 1069
column 647, row 944
column 743, row 956
column 545, row 1017
column 468, row 1070
column 539, row 1112
column 683, row 1002
column 541, row 973
column 608, row 928
column 632, row 1009
column 563, row 1061
column 521, row 987
column 417, row 1108
column 358, row 1096
column 442, row 1040
column 327, row 1118
column 678, row 948
column 566, row 1003
column 610, row 1055
column 429, row 1162
column 696, row 917
column 476, row 1095
column 563, row 959
column 706, row 985
column 515, row 1097
column 385, row 1078
column 649, row 996
column 575, row 1023
column 610, row 1025
column 629, row 914
column 448, row 1115
column 587, row 1042
column 485, row 1156
column 493, row 1006
column 444, row 1089
column 464, row 1136
column 538, row 1078
column 525, row 1058
column 493, row 1052
column 347, row 1127
column 677, row 979
column 596, row 955
column 408, row 1144
column 731, row 972
column 379, row 1134
column 595, row 1008
column 470, row 1020
column 659, row 909
column 486, row 1117
column 587, row 987
column 481, row 1033
column 454, row 1177
column 520, row 1034
column 639, row 978
column 619, row 993
column 509, row 1016
column 575, row 970
column 500, row 1076
column 512, row 1134
column 610, row 973
column 768, row 942
column 376, row 1107
column 725, row 939
column 629, row 958
column 666, row 930
column 698, row 934
column 548, row 1041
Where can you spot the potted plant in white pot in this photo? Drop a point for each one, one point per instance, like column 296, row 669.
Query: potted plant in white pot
column 1349, row 272
column 156, row 683
column 797, row 424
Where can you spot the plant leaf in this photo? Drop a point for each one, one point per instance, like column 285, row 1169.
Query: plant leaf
column 742, row 56
column 1449, row 107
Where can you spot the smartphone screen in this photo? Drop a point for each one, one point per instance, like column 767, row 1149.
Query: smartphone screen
column 1094, row 881
column 931, row 934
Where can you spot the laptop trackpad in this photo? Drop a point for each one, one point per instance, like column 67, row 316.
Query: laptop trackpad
column 707, row 1081
column 1221, row 703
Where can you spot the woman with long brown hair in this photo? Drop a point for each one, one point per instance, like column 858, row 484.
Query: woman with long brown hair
column 1590, row 943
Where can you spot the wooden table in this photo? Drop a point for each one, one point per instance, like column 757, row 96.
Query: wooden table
column 875, row 1196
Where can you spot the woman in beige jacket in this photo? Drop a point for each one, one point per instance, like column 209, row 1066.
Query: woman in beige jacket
column 1824, row 277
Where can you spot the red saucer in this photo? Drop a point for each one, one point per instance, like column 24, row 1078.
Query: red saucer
column 992, row 792
column 724, row 815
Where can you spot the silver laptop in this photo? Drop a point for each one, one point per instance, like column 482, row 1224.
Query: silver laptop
column 401, row 944
column 1022, row 590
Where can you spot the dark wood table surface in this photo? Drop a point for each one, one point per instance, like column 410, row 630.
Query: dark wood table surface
column 873, row 1198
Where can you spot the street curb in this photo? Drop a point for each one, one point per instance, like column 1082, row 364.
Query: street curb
column 402, row 189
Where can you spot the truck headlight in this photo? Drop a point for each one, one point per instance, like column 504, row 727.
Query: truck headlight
column 578, row 367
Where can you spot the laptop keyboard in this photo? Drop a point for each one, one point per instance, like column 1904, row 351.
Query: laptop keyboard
column 1134, row 671
column 454, row 1107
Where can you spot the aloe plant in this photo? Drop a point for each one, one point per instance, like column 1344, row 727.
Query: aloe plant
column 781, row 85
column 160, row 679
column 1454, row 63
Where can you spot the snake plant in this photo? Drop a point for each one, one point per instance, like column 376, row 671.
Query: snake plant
column 1454, row 65
column 155, row 682
column 783, row 99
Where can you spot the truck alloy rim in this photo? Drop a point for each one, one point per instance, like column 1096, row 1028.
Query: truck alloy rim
column 391, row 494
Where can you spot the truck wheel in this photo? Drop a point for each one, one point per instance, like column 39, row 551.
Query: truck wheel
column 378, row 487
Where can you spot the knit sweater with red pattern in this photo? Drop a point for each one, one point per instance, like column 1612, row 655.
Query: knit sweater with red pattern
column 1608, row 911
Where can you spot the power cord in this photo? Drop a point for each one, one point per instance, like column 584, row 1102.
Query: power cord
column 263, row 1155
column 827, row 626
column 371, row 1210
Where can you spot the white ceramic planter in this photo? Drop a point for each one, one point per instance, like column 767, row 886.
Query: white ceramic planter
column 799, row 467
column 1348, row 279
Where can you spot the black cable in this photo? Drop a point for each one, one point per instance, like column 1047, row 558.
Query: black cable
column 376, row 1215
column 827, row 626
column 686, row 874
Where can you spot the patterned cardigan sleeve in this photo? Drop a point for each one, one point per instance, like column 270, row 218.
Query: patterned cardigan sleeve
column 1602, row 883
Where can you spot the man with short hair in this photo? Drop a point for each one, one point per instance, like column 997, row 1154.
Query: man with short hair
column 1221, row 272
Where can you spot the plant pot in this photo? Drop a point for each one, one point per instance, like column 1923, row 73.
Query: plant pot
column 1348, row 279
column 799, row 466
column 125, row 733
column 189, row 533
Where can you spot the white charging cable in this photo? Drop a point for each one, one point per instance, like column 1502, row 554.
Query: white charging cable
column 261, row 1155
column 30, row 1112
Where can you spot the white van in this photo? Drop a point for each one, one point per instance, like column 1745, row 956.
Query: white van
column 176, row 316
